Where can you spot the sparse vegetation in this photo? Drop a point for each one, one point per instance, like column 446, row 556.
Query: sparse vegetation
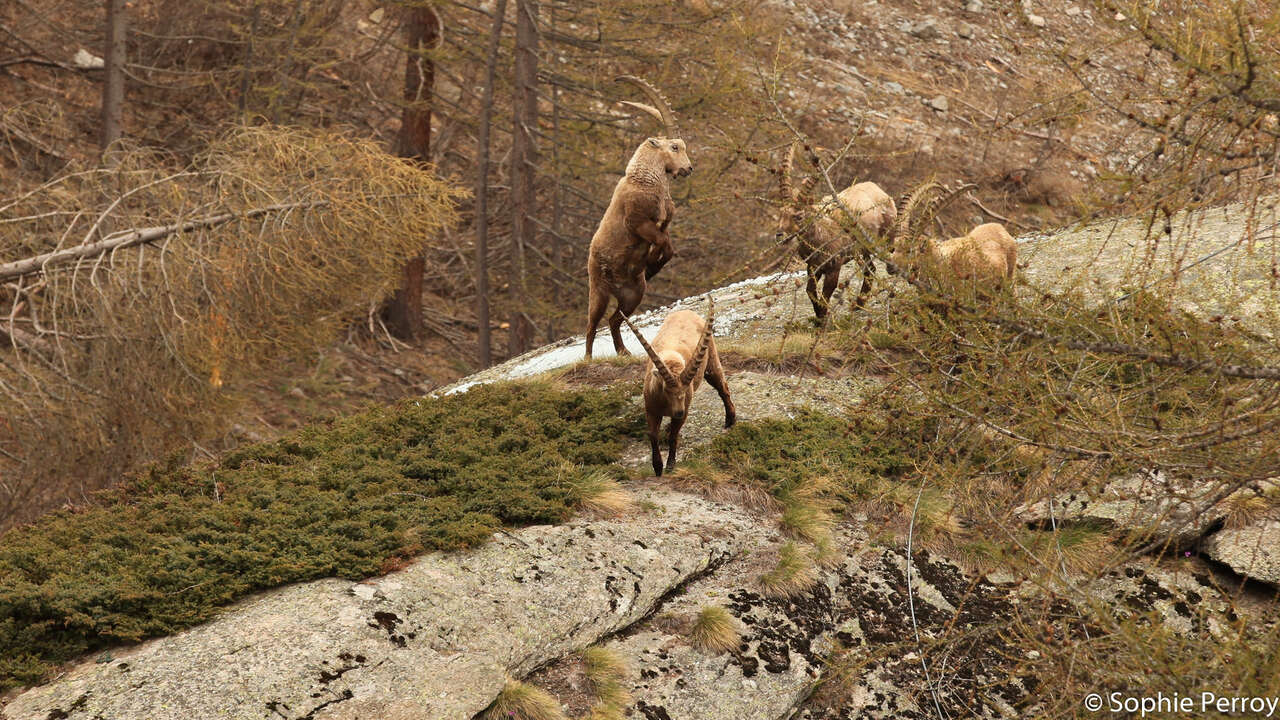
column 166, row 548
column 607, row 672
column 714, row 630
column 793, row 573
column 521, row 701
column 600, row 493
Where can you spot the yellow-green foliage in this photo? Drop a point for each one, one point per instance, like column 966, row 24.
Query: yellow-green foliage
column 521, row 701
column 165, row 549
column 607, row 672
column 714, row 630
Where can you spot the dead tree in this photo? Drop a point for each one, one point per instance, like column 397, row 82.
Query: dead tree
column 422, row 32
column 482, row 188
column 524, row 164
column 113, row 86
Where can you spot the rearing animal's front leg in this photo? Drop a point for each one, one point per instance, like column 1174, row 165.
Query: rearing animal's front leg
column 659, row 255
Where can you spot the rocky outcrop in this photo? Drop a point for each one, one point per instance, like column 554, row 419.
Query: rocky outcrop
column 861, row 607
column 1252, row 551
column 1150, row 507
column 435, row 640
column 1189, row 603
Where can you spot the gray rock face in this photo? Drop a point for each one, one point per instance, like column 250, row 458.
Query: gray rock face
column 1172, row 514
column 861, row 605
column 1208, row 261
column 1252, row 551
column 436, row 640
column 1185, row 602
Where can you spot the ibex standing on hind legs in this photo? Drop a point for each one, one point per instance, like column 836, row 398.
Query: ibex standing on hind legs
column 632, row 244
column 682, row 354
column 828, row 243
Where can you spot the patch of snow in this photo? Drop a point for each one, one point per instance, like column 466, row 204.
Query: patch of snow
column 571, row 350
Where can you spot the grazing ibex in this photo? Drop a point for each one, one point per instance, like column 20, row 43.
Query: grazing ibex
column 632, row 244
column 983, row 260
column 682, row 354
column 830, row 241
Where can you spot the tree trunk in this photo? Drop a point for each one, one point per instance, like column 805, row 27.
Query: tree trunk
column 113, row 87
column 246, row 75
column 482, row 188
column 524, row 162
column 557, row 246
column 422, row 30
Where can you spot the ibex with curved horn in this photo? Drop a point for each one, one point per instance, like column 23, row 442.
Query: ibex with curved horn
column 984, row 259
column 682, row 354
column 632, row 244
column 833, row 239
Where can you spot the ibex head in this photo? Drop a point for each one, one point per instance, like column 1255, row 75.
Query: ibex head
column 669, row 147
column 670, row 371
column 915, row 211
column 794, row 199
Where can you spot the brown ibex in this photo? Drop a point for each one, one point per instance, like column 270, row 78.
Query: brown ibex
column 682, row 354
column 830, row 240
column 632, row 243
column 983, row 260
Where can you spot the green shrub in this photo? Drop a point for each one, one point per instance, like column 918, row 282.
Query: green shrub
column 780, row 455
column 352, row 499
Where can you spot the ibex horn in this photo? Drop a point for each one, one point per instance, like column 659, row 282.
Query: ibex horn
column 660, row 110
column 907, row 208
column 661, row 367
column 704, row 343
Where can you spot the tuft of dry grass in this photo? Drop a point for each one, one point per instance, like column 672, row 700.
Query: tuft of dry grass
column 601, row 494
column 794, row 573
column 521, row 701
column 1248, row 506
column 1079, row 548
column 799, row 343
column 697, row 477
column 607, row 672
column 715, row 630
column 806, row 510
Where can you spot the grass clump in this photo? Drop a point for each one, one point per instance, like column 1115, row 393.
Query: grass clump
column 607, row 671
column 714, row 630
column 601, row 494
column 521, row 701
column 794, row 573
column 353, row 498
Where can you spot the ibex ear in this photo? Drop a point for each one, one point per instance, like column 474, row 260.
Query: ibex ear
column 654, row 142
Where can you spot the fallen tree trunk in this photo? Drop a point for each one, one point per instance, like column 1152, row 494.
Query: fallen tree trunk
column 135, row 236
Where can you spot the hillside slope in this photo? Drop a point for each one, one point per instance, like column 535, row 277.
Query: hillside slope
column 443, row 636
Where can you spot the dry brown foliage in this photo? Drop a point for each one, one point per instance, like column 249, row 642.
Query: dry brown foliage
column 120, row 357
